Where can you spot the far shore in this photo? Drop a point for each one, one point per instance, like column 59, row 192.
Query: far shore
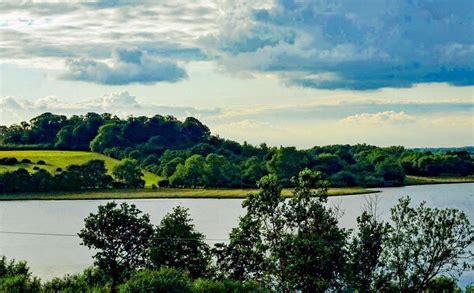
column 212, row 193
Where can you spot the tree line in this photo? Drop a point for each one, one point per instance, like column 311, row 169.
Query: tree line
column 279, row 245
column 185, row 153
column 88, row 176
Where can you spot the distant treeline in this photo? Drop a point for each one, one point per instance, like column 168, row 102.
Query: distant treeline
column 91, row 175
column 185, row 153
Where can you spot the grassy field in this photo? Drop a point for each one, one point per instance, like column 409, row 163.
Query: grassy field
column 62, row 159
column 164, row 193
column 419, row 180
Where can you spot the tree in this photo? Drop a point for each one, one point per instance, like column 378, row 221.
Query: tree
column 391, row 170
column 129, row 173
column 177, row 244
column 191, row 173
column 294, row 245
column 328, row 163
column 364, row 262
column 424, row 243
column 285, row 163
column 252, row 170
column 219, row 171
column 121, row 235
column 170, row 167
column 314, row 242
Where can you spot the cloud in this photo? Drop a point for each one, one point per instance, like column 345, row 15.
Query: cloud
column 45, row 33
column 128, row 66
column 387, row 117
column 122, row 104
column 329, row 45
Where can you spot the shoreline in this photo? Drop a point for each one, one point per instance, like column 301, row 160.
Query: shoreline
column 197, row 193
column 165, row 193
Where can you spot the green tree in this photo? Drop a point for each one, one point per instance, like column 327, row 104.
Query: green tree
column 129, row 173
column 425, row 243
column 177, row 244
column 364, row 261
column 252, row 170
column 191, row 173
column 120, row 235
column 294, row 245
column 170, row 167
column 285, row 163
column 219, row 171
column 391, row 170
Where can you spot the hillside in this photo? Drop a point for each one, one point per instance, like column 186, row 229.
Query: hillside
column 61, row 159
column 186, row 154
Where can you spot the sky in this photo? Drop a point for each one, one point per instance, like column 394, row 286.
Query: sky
column 299, row 73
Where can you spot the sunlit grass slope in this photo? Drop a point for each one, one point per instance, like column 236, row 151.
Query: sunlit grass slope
column 62, row 159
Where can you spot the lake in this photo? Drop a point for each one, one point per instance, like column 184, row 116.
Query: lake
column 55, row 255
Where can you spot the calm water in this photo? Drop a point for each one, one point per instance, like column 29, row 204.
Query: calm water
column 50, row 256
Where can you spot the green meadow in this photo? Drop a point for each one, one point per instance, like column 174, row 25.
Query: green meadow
column 62, row 159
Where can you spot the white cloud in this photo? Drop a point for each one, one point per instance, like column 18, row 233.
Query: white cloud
column 387, row 117
column 128, row 66
column 122, row 104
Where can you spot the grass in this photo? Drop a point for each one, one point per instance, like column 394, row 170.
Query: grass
column 62, row 159
column 164, row 193
column 419, row 180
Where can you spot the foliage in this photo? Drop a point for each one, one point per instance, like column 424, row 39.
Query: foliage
column 120, row 235
column 91, row 175
column 294, row 245
column 177, row 244
column 163, row 280
column 129, row 173
column 364, row 263
column 191, row 173
column 161, row 144
column 16, row 277
column 424, row 243
column 91, row 280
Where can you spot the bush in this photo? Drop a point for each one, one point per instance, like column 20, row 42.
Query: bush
column 212, row 286
column 16, row 277
column 91, row 280
column 8, row 161
column 164, row 182
column 164, row 280
column 36, row 168
column 26, row 161
column 59, row 169
column 41, row 162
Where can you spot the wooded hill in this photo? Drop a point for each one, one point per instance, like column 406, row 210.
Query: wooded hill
column 185, row 153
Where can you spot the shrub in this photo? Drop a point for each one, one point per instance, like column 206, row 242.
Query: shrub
column 36, row 168
column 212, row 286
column 164, row 182
column 41, row 162
column 59, row 169
column 26, row 161
column 8, row 161
column 164, row 280
column 91, row 280
column 16, row 277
